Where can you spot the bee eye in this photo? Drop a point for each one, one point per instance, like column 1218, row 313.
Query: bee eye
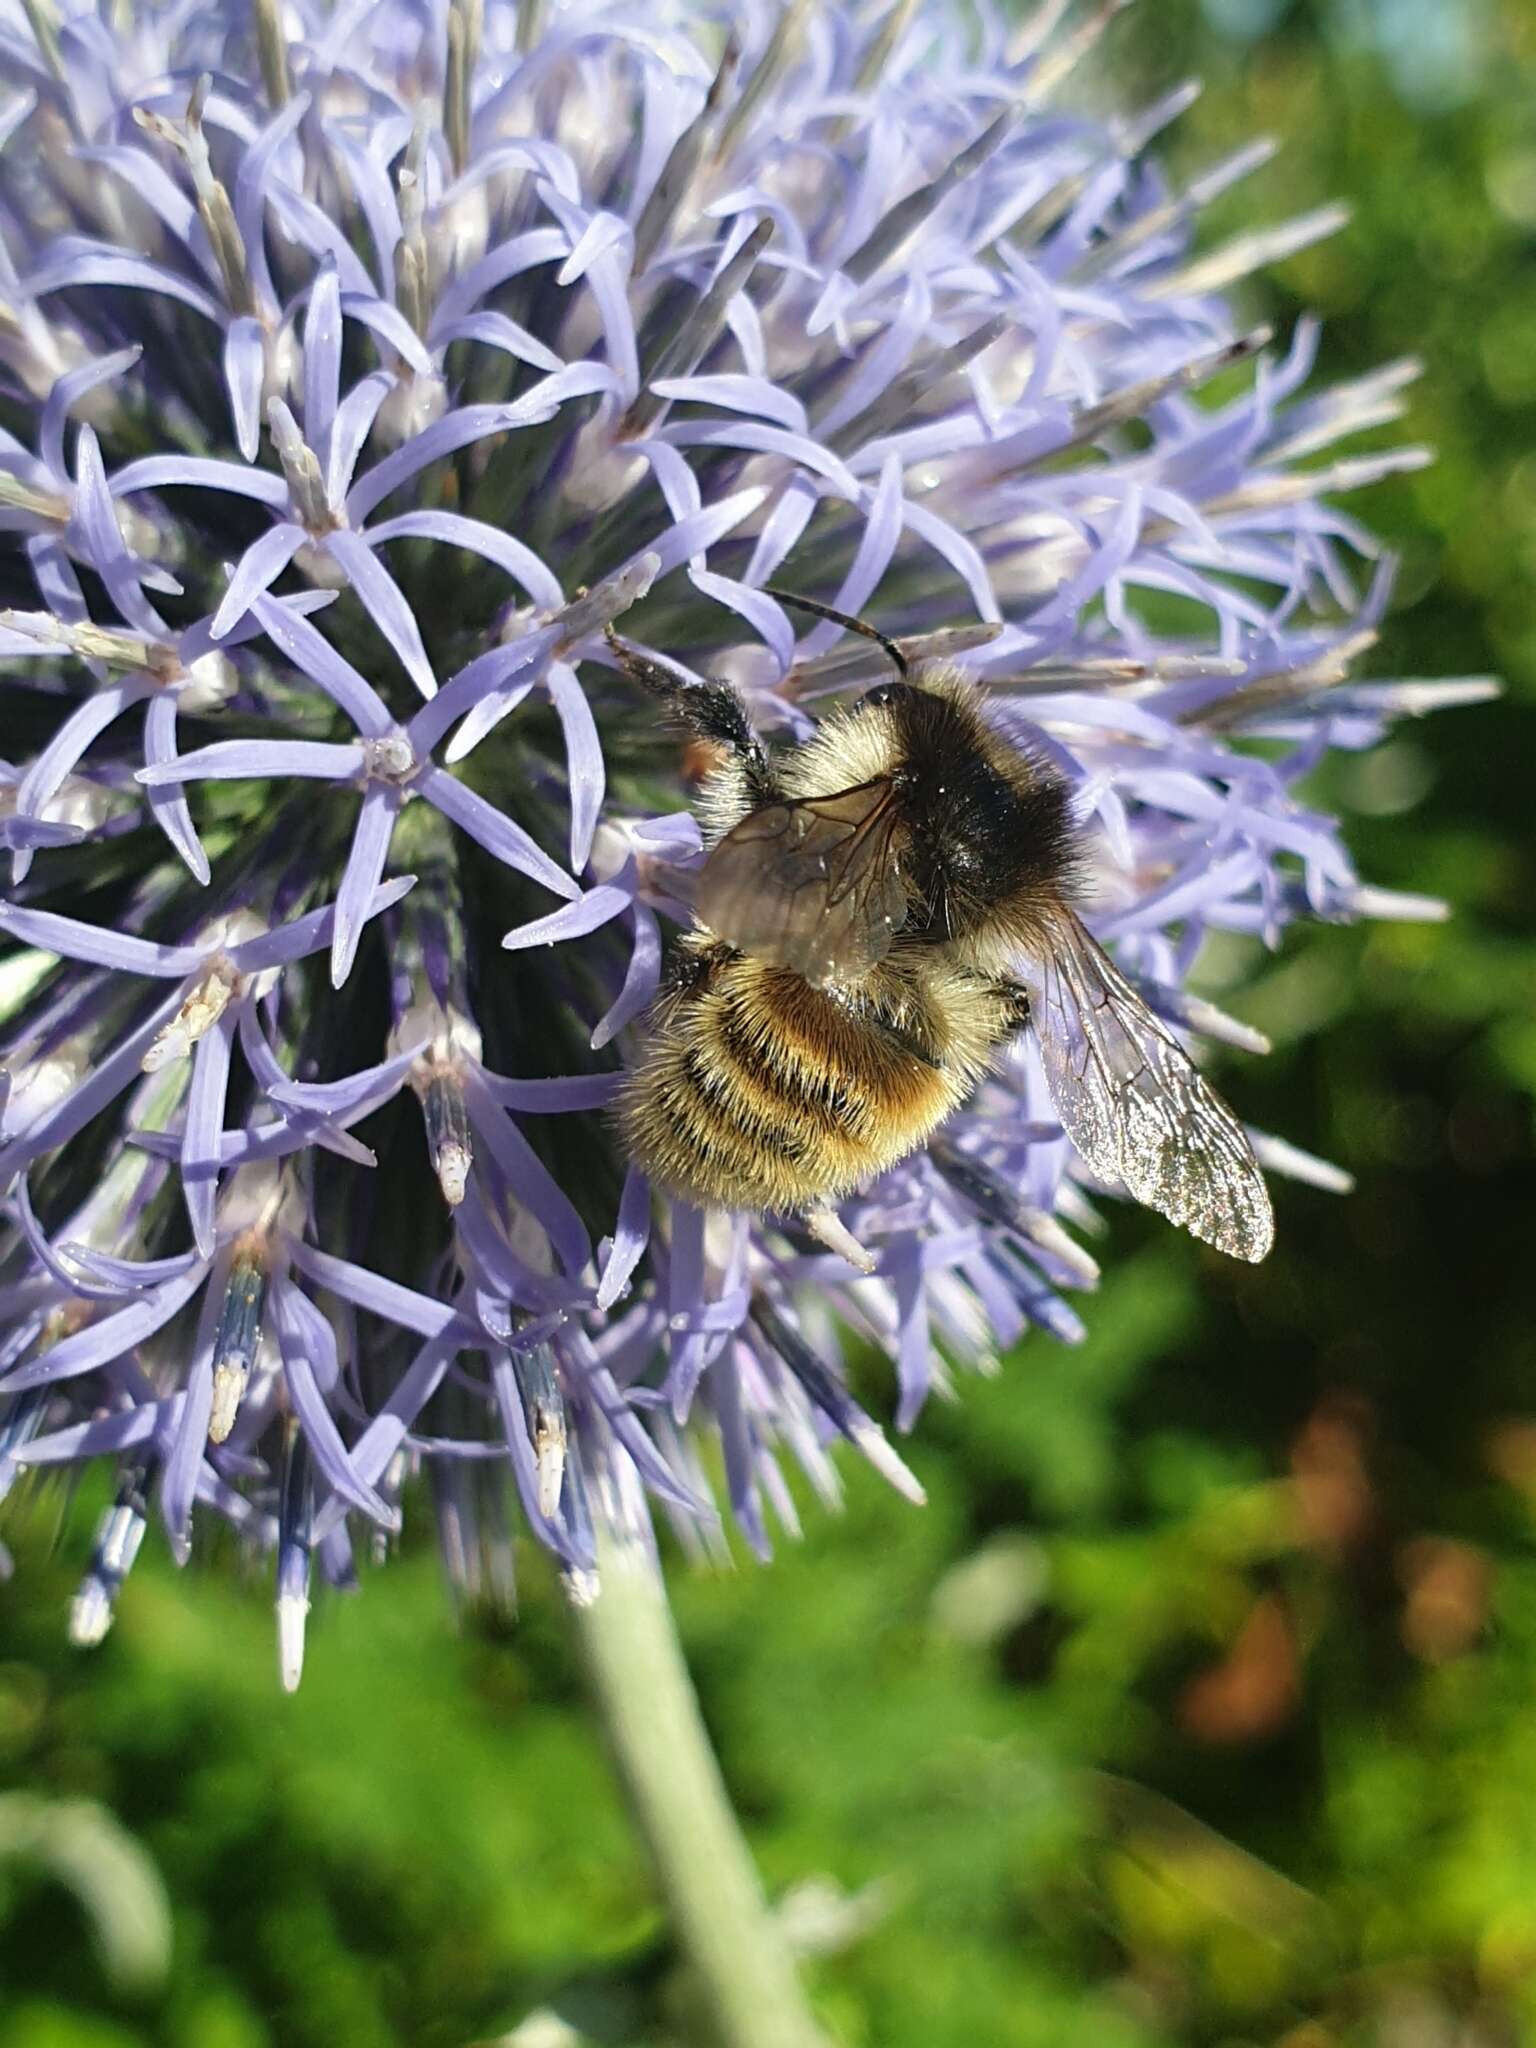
column 886, row 693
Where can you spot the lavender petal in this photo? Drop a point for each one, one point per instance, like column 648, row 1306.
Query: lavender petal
column 154, row 472
column 54, row 1126
column 184, row 1461
column 528, row 1176
column 66, row 394
column 100, row 1343
column 341, row 1098
column 382, row 1438
column 309, row 1354
column 504, row 549
column 245, row 366
column 102, row 265
column 469, row 424
column 642, row 978
column 205, row 1120
column 244, row 760
column 310, row 933
column 72, row 940
column 482, row 682
column 631, row 1234
column 169, row 805
column 322, row 359
column 583, row 755
column 103, row 1435
column 86, row 723
column 556, row 1097
column 388, row 322
column 385, row 603
column 310, row 651
column 256, row 571
column 361, row 876
column 381, row 1296
column 598, row 907
column 496, row 833
column 350, row 429
column 45, row 1254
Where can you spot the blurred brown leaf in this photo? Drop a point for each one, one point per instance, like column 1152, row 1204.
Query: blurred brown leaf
column 1334, row 1498
column 1252, row 1692
column 1448, row 1585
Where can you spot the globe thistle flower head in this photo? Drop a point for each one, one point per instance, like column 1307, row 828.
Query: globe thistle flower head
column 360, row 370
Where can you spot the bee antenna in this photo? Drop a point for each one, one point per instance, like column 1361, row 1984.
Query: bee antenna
column 825, row 611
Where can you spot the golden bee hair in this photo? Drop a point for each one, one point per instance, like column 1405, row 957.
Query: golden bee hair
column 867, row 900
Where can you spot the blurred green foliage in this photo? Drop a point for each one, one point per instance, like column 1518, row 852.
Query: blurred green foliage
column 1197, row 1708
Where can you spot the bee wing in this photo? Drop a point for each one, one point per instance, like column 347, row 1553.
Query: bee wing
column 1136, row 1107
column 811, row 883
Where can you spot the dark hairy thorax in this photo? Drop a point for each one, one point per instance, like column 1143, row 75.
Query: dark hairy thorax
column 977, row 838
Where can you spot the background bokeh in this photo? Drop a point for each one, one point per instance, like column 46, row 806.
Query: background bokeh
column 1199, row 1706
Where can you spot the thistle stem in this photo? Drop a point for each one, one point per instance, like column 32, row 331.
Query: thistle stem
column 645, row 1699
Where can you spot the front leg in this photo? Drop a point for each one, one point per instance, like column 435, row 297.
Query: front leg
column 711, row 711
column 1014, row 997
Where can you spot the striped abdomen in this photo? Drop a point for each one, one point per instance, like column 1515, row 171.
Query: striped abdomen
column 757, row 1091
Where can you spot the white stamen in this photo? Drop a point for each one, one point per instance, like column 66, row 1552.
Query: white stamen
column 606, row 601
column 391, row 759
column 442, row 1034
column 213, row 203
column 453, row 1164
column 77, row 802
column 89, row 641
column 119, row 1534
column 412, row 406
column 209, row 683
column 1042, row 1228
column 1414, row 699
column 870, row 1439
column 828, row 1228
column 90, row 1615
column 201, row 1010
column 301, row 468
column 292, row 1613
column 1215, row 270
column 272, row 52
column 1398, row 905
column 1276, row 1155
column 239, row 1333
column 1353, row 473
column 435, row 1081
column 549, row 1443
column 231, row 1376
column 48, row 506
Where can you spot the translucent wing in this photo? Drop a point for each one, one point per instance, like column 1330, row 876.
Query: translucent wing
column 1134, row 1105
column 812, row 884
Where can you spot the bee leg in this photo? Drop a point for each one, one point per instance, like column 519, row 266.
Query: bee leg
column 828, row 1228
column 711, row 711
column 690, row 969
column 1017, row 1008
column 903, row 1041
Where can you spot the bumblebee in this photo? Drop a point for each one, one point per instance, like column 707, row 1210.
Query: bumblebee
column 881, row 908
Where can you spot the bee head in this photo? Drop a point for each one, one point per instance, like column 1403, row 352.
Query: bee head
column 987, row 831
column 885, row 693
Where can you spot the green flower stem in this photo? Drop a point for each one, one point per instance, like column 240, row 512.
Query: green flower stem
column 715, row 1904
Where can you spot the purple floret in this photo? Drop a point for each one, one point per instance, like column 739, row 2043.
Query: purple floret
column 362, row 393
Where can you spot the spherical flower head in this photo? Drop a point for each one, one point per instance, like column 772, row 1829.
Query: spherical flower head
column 380, row 384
